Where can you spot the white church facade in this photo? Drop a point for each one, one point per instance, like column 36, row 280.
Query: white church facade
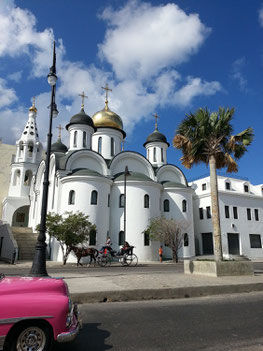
column 89, row 176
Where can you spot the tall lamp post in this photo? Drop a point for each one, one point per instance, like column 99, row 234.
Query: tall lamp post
column 126, row 173
column 38, row 268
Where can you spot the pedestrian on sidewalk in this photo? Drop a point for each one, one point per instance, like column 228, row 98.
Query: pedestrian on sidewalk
column 161, row 253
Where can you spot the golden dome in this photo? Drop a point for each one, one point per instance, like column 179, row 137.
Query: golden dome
column 107, row 118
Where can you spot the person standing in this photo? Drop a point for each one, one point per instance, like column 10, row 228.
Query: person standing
column 161, row 253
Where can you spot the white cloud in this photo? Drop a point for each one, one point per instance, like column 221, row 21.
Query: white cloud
column 260, row 16
column 195, row 87
column 16, row 76
column 144, row 45
column 7, row 95
column 237, row 74
column 143, row 39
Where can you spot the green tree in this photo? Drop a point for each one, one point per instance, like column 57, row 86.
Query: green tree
column 70, row 230
column 167, row 231
column 207, row 137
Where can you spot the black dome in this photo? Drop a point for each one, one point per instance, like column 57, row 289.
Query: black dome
column 81, row 118
column 59, row 147
column 156, row 136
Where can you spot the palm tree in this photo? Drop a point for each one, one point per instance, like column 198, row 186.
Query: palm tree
column 207, row 137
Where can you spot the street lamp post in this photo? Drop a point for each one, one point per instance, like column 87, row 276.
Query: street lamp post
column 126, row 173
column 38, row 268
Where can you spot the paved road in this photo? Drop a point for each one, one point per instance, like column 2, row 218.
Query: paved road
column 229, row 323
column 114, row 269
column 117, row 268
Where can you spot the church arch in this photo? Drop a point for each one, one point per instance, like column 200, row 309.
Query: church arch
column 135, row 163
column 171, row 173
column 20, row 217
column 86, row 159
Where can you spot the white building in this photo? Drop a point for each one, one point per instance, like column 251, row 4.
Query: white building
column 24, row 166
column 241, row 216
column 88, row 176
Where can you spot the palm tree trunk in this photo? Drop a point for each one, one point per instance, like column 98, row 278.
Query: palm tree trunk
column 215, row 210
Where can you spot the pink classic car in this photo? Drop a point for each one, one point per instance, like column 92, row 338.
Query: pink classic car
column 34, row 312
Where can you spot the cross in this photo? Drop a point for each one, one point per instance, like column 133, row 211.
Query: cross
column 33, row 100
column 156, row 118
column 83, row 96
column 106, row 89
column 60, row 129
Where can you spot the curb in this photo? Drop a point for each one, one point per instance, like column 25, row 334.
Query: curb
column 159, row 294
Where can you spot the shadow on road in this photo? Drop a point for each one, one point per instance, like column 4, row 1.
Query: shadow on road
column 90, row 338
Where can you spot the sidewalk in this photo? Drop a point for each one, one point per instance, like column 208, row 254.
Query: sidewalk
column 92, row 285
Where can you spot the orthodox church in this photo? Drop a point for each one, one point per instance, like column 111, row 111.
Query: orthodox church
column 92, row 176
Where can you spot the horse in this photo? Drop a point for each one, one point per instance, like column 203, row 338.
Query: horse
column 83, row 252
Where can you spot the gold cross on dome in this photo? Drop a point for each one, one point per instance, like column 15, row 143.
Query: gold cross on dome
column 156, row 118
column 83, row 96
column 60, row 129
column 107, row 89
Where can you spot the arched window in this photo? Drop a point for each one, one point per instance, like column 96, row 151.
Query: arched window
column 71, row 197
column 166, row 206
column 227, row 185
column 28, row 177
column 146, row 238
column 154, row 154
column 94, row 198
column 92, row 237
column 84, row 139
column 162, row 154
column 99, row 144
column 108, row 200
column 184, row 205
column 75, row 139
column 112, row 146
column 186, row 240
column 121, row 201
column 16, row 180
column 30, row 149
column 21, row 148
column 146, row 201
column 121, row 237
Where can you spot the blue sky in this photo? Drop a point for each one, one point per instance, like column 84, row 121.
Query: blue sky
column 158, row 56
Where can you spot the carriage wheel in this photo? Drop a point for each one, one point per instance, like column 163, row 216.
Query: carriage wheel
column 103, row 261
column 134, row 260
column 108, row 261
column 127, row 260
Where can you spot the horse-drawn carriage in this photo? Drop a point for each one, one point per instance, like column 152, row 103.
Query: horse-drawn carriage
column 106, row 257
column 126, row 258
